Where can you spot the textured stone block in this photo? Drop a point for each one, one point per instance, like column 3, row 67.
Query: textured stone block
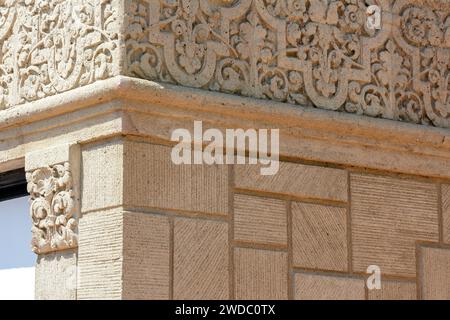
column 200, row 259
column 388, row 216
column 42, row 158
column 446, row 212
column 152, row 180
column 434, row 273
column 394, row 290
column 323, row 287
column 260, row 220
column 260, row 274
column 100, row 255
column 102, row 175
column 319, row 237
column 146, row 256
column 295, row 180
column 56, row 276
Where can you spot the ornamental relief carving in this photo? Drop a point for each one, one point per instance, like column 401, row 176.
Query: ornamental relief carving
column 52, row 210
column 311, row 52
column 51, row 46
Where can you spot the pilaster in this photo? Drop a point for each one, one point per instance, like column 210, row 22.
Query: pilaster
column 53, row 177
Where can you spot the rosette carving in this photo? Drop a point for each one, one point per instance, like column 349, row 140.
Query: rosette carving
column 52, row 209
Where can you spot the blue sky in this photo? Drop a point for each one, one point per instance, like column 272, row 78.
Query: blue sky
column 15, row 234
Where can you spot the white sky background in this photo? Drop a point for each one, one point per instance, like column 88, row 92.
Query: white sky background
column 17, row 284
column 16, row 258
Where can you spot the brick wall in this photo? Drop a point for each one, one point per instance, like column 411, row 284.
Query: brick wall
column 309, row 232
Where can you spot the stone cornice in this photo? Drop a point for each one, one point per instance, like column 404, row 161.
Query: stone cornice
column 148, row 109
column 308, row 52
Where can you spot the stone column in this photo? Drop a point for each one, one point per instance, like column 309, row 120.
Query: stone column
column 53, row 177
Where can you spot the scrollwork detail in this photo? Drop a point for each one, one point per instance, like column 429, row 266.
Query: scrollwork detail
column 49, row 47
column 309, row 52
column 52, row 209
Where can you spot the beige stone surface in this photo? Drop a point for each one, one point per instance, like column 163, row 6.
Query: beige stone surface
column 152, row 180
column 113, row 37
column 146, row 256
column 319, row 237
column 388, row 216
column 324, row 287
column 260, row 274
column 446, row 212
column 294, row 179
column 200, row 260
column 56, row 276
column 260, row 220
column 394, row 290
column 123, row 105
column 434, row 273
column 102, row 177
column 42, row 158
column 90, row 31
column 53, row 182
column 100, row 255
column 83, row 89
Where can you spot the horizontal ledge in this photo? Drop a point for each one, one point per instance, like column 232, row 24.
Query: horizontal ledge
column 122, row 87
column 351, row 131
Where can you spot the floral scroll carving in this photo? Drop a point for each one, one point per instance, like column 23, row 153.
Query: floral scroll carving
column 317, row 53
column 51, row 46
column 52, row 210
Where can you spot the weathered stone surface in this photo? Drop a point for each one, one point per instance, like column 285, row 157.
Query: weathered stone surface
column 151, row 179
column 124, row 255
column 260, row 274
column 323, row 287
column 53, row 46
column 296, row 180
column 146, row 256
column 102, row 176
column 100, row 255
column 56, row 276
column 446, row 212
column 260, row 220
column 311, row 53
column 388, row 216
column 53, row 177
column 434, row 273
column 200, row 260
column 396, row 71
column 394, row 290
column 319, row 237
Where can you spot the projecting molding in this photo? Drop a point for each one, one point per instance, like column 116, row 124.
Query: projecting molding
column 309, row 52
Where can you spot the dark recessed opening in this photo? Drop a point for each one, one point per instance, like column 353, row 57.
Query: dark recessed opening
column 13, row 184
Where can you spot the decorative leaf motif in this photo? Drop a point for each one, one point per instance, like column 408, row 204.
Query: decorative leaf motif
column 53, row 46
column 52, row 209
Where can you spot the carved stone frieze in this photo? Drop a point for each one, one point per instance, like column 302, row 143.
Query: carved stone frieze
column 53, row 209
column 317, row 53
column 51, row 46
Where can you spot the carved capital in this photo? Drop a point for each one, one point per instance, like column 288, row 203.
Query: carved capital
column 53, row 184
column 52, row 209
